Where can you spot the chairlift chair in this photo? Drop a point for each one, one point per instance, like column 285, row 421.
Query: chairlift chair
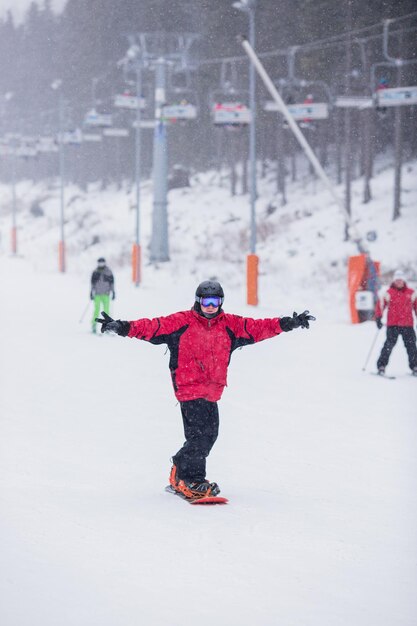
column 73, row 137
column 95, row 119
column 118, row 130
column 129, row 100
column 230, row 108
column 182, row 101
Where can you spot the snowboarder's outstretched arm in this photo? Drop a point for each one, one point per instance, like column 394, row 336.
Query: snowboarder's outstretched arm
column 255, row 330
column 154, row 330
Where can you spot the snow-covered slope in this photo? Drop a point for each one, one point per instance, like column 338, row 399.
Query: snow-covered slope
column 300, row 246
column 317, row 457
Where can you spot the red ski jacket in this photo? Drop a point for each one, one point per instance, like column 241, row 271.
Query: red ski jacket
column 400, row 304
column 201, row 348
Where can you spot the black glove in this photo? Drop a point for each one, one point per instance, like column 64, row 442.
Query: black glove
column 91, row 295
column 113, row 296
column 379, row 322
column 289, row 323
column 116, row 326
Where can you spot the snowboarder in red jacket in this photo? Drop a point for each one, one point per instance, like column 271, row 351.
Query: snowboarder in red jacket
column 201, row 342
column 400, row 301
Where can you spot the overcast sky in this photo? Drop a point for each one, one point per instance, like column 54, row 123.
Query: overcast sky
column 19, row 7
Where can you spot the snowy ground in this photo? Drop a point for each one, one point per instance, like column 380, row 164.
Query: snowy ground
column 318, row 458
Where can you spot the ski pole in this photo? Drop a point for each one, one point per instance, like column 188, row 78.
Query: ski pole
column 84, row 312
column 370, row 351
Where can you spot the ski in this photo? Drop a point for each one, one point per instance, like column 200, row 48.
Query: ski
column 383, row 376
column 392, row 377
column 210, row 500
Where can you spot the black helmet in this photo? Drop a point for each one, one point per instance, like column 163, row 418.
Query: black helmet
column 209, row 288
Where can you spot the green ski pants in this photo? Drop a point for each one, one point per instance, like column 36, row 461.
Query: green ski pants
column 101, row 303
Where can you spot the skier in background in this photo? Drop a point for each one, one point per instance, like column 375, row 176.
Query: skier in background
column 201, row 342
column 102, row 285
column 400, row 302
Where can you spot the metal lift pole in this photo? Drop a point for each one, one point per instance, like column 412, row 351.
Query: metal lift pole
column 159, row 241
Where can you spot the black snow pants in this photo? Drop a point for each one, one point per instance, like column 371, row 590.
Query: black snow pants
column 409, row 337
column 201, row 427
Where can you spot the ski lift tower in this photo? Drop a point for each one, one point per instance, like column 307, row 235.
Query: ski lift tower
column 134, row 60
column 249, row 7
column 160, row 50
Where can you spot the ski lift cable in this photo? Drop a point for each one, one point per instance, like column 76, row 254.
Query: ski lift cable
column 342, row 42
column 302, row 141
column 343, row 36
column 328, row 41
column 321, row 43
column 284, row 51
column 391, row 20
column 53, row 110
column 278, row 52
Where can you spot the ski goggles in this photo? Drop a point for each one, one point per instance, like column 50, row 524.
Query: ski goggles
column 215, row 301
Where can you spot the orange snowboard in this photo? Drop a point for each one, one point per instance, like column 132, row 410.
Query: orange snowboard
column 210, row 500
